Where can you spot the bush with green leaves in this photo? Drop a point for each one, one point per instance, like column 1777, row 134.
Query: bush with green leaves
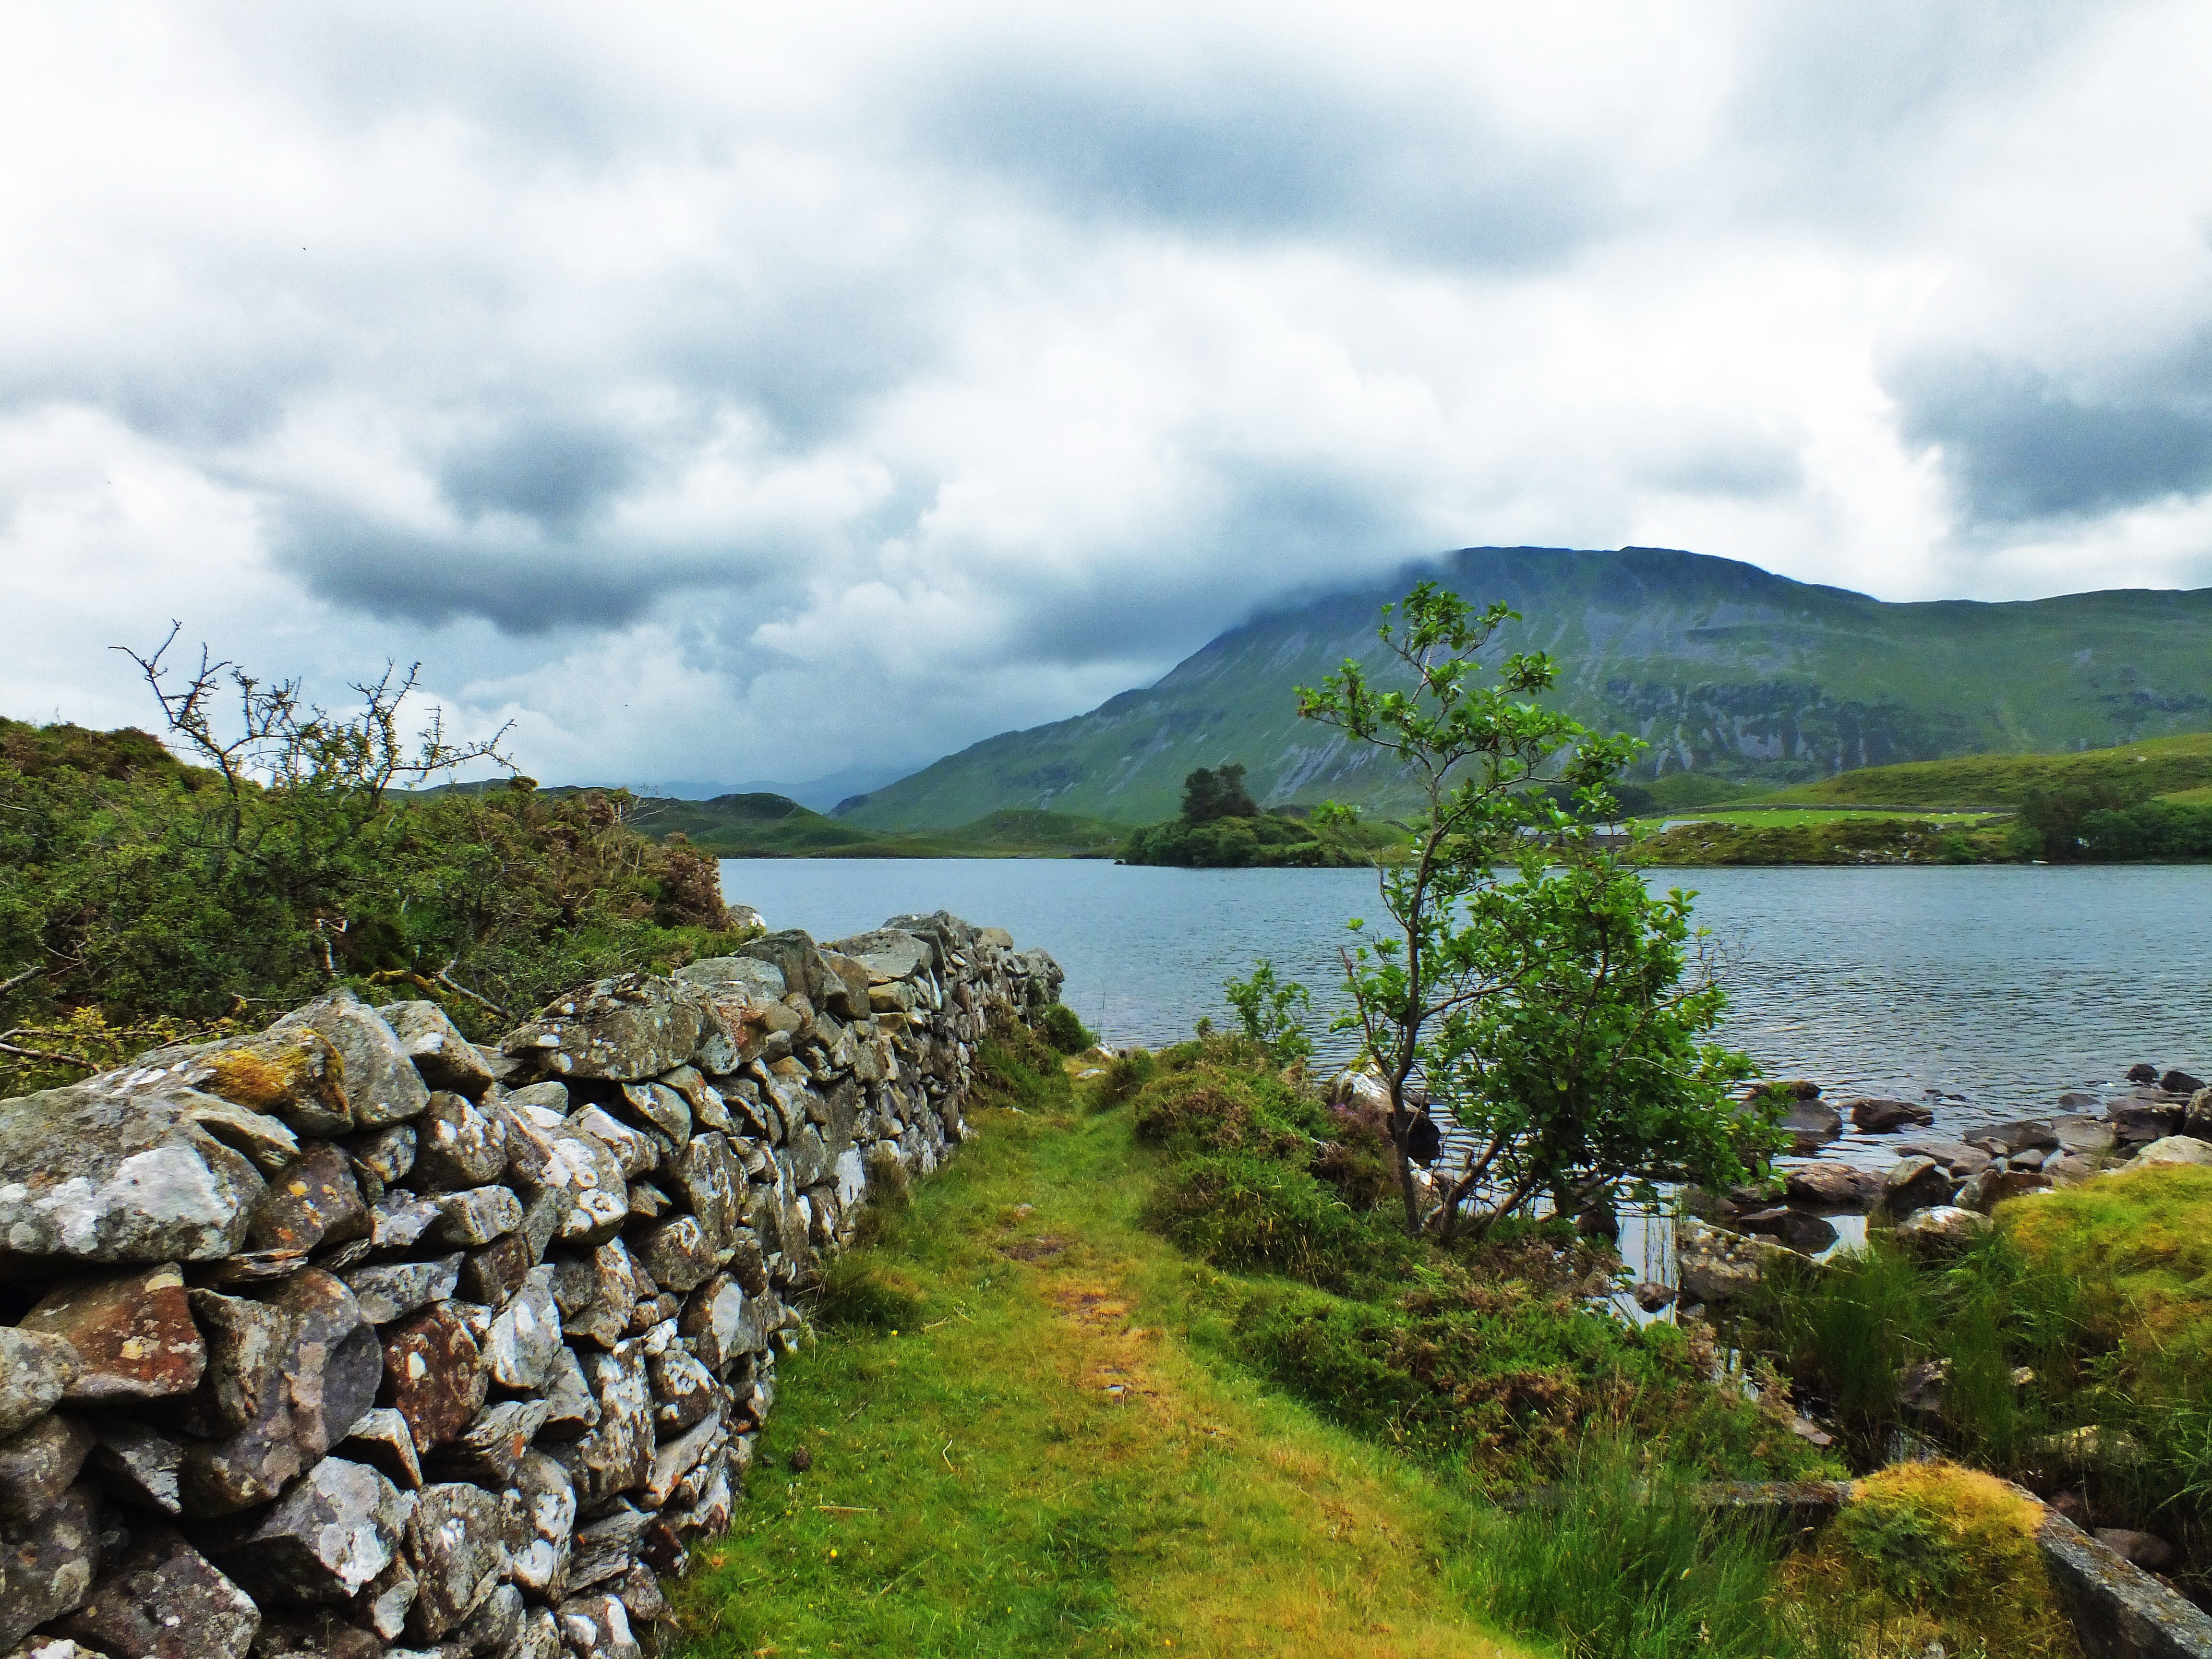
column 1060, row 1026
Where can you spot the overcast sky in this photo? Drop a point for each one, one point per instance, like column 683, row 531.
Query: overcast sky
column 734, row 392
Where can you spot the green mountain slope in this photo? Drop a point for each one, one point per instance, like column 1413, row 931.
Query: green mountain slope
column 1726, row 670
column 2160, row 767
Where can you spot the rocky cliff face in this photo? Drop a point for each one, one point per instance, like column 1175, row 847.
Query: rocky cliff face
column 1720, row 667
column 351, row 1338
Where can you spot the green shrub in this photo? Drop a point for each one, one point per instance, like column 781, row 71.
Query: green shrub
column 1242, row 1210
column 1060, row 1027
column 1014, row 1067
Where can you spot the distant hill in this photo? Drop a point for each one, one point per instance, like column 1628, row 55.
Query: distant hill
column 2159, row 767
column 758, row 825
column 1728, row 670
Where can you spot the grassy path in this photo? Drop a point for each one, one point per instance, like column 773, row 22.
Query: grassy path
column 1021, row 1444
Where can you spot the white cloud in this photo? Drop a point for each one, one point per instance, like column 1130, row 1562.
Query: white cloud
column 747, row 391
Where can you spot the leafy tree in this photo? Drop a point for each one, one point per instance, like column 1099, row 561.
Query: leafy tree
column 1526, row 974
column 1216, row 794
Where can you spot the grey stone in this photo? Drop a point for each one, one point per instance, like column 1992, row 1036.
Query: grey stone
column 331, row 1534
column 720, row 1322
column 37, row 1465
column 596, row 1294
column 637, row 1151
column 1715, row 1268
column 312, row 1202
column 495, row 1628
column 674, row 1458
column 384, row 1442
column 683, row 1390
column 676, row 1254
column 385, row 1156
column 551, row 1156
column 541, row 1635
column 663, row 1107
column 433, row 1375
column 446, row 1059
column 1941, row 1229
column 1916, row 1184
column 460, row 1541
column 747, row 975
column 381, row 1083
column 2174, row 1149
column 1810, row 1124
column 292, row 1074
column 268, row 1143
column 383, row 1603
column 48, row 1568
column 648, row 1202
column 549, row 1096
column 139, row 1464
column 1876, row 1115
column 640, row 1594
column 616, row 1455
column 393, row 1289
column 571, row 1407
column 401, row 1219
column 712, row 1183
column 548, row 1499
column 457, row 1146
column 2120, row 1610
column 607, row 1548
column 486, row 1451
column 493, row 1275
column 163, row 1599
column 597, row 1628
column 1831, row 1186
column 1959, row 1159
column 132, row 1335
column 626, row 1030
column 93, row 1174
column 476, row 1216
column 888, row 953
column 525, row 1338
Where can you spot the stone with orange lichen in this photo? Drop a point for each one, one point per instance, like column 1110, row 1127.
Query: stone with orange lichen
column 134, row 1335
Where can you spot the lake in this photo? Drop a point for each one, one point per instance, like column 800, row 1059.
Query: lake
column 1998, row 986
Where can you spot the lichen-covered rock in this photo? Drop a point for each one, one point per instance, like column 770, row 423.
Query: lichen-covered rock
column 676, row 1251
column 292, row 1074
column 525, row 1337
column 47, row 1568
column 485, row 1452
column 495, row 1628
column 383, row 1441
column 432, row 1376
column 494, row 1272
column 548, row 1497
column 616, row 1455
column 141, row 1464
column 636, row 1150
column 381, row 1083
column 92, row 1173
column 596, row 1293
column 383, row 1602
column 460, row 1541
column 476, row 1216
column 457, row 1146
column 37, row 1465
column 545, row 1155
column 300, row 1371
column 888, row 954
column 712, row 1183
column 383, row 1157
column 674, row 1458
column 627, row 1029
column 597, row 1628
column 1717, row 1268
column 683, row 1390
column 132, row 1335
column 391, row 1290
column 1879, row 1116
column 571, row 1407
column 164, row 1600
column 2175, row 1149
column 719, row 1321
column 331, row 1533
column 312, row 1202
column 446, row 1059
column 540, row 1637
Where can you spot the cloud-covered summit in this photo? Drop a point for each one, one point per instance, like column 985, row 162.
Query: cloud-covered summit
column 766, row 391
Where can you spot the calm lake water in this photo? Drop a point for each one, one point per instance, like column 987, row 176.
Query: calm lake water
column 2003, row 986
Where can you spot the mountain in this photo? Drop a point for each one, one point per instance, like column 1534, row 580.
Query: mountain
column 1726, row 670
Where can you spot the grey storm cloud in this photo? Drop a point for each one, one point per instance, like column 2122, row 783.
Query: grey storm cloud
column 2018, row 446
column 841, row 384
column 1242, row 147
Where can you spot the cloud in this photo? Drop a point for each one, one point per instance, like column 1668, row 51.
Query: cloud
column 2020, row 447
column 726, row 392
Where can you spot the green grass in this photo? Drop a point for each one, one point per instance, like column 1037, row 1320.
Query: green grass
column 773, row 826
column 1050, row 1460
column 1036, row 1427
column 2155, row 767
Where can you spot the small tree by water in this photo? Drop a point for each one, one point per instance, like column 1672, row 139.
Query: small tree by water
column 1559, row 1009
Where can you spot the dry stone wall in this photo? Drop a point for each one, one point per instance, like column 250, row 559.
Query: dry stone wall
column 351, row 1338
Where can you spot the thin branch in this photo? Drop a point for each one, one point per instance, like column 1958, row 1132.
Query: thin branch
column 444, row 977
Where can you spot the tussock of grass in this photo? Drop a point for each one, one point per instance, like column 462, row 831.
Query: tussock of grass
column 1931, row 1553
